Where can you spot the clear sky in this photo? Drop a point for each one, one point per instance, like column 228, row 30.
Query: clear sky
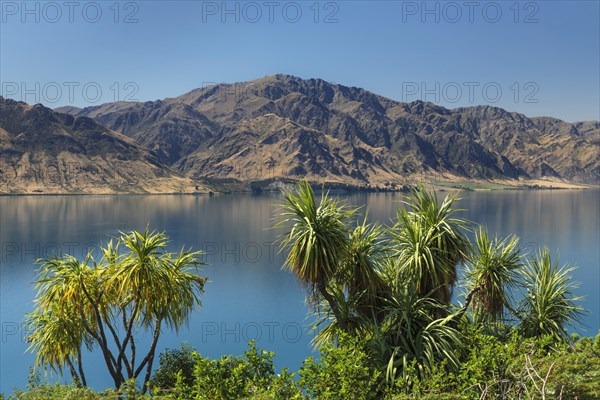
column 534, row 57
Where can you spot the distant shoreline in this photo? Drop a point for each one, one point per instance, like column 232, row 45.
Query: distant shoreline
column 275, row 186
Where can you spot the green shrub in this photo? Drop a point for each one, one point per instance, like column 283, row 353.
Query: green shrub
column 233, row 377
column 173, row 364
column 284, row 387
column 576, row 374
column 342, row 373
column 46, row 391
column 185, row 374
column 506, row 367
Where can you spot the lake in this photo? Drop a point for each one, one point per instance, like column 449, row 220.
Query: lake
column 249, row 296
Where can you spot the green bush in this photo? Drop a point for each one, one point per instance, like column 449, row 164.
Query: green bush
column 342, row 373
column 576, row 374
column 173, row 364
column 58, row 392
column 284, row 387
column 184, row 374
column 492, row 367
column 47, row 391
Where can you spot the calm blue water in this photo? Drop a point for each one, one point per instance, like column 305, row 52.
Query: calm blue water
column 248, row 296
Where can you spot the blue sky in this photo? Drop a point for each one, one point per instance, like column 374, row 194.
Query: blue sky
column 534, row 57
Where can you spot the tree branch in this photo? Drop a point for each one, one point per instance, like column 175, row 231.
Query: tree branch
column 322, row 287
column 80, row 367
column 101, row 338
column 465, row 306
column 149, row 359
column 74, row 375
column 128, row 336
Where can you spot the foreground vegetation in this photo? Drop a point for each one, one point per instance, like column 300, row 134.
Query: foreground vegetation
column 387, row 327
column 505, row 367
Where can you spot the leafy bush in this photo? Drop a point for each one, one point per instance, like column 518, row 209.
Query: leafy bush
column 173, row 362
column 576, row 374
column 284, row 387
column 342, row 373
column 507, row 367
column 187, row 375
column 47, row 391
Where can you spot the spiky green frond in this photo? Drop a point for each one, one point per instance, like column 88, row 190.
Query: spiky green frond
column 549, row 306
column 316, row 236
column 493, row 270
column 429, row 242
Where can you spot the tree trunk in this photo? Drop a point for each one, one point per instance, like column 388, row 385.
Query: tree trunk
column 128, row 326
column 74, row 375
column 468, row 300
column 101, row 340
column 322, row 287
column 514, row 312
column 132, row 359
column 149, row 359
column 80, row 367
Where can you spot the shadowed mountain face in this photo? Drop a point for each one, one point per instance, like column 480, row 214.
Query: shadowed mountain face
column 286, row 127
column 42, row 151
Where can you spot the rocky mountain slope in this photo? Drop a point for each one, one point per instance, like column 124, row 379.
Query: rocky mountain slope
column 284, row 127
column 42, row 151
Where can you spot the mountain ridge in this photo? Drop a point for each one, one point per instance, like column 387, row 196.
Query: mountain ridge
column 370, row 139
column 283, row 128
column 43, row 151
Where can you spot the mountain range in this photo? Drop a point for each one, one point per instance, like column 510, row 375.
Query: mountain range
column 42, row 151
column 281, row 128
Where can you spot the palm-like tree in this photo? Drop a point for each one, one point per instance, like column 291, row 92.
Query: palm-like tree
column 317, row 239
column 359, row 288
column 66, row 283
column 141, row 287
column 152, row 286
column 549, row 305
column 62, row 310
column 57, row 338
column 492, row 271
column 409, row 335
column 326, row 325
column 429, row 243
column 361, row 272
